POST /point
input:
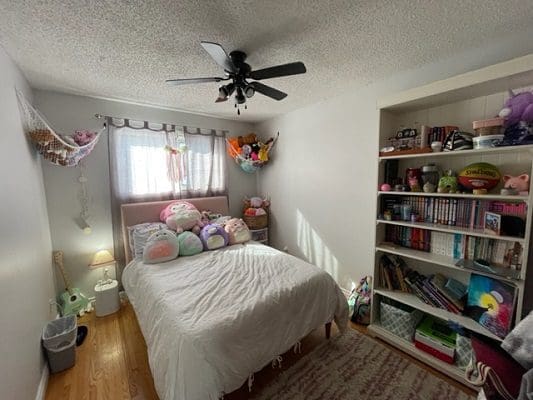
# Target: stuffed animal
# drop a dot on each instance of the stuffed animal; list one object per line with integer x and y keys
{"x": 213, "y": 237}
{"x": 237, "y": 231}
{"x": 519, "y": 184}
{"x": 190, "y": 244}
{"x": 518, "y": 107}
{"x": 182, "y": 216}
{"x": 263, "y": 152}
{"x": 161, "y": 246}
{"x": 246, "y": 150}
{"x": 248, "y": 139}
{"x": 84, "y": 137}
{"x": 448, "y": 183}
{"x": 256, "y": 202}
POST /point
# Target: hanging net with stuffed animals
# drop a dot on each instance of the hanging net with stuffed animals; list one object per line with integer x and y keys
{"x": 249, "y": 152}
{"x": 65, "y": 150}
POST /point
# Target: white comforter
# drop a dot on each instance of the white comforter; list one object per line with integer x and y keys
{"x": 213, "y": 319}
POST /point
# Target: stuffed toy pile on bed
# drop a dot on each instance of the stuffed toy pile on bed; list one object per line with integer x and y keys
{"x": 189, "y": 231}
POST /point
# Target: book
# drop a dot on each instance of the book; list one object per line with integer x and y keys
{"x": 491, "y": 303}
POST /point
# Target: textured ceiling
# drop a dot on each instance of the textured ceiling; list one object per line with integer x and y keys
{"x": 126, "y": 49}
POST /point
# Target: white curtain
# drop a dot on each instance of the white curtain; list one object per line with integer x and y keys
{"x": 144, "y": 166}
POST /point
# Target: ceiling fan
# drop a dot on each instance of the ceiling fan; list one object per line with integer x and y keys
{"x": 238, "y": 72}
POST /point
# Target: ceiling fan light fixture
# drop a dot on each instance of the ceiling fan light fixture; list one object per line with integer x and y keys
{"x": 239, "y": 97}
{"x": 249, "y": 91}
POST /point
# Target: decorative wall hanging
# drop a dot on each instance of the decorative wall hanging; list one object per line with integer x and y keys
{"x": 66, "y": 150}
{"x": 249, "y": 152}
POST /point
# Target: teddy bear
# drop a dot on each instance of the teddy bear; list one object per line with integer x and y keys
{"x": 516, "y": 184}
{"x": 237, "y": 231}
{"x": 182, "y": 216}
{"x": 517, "y": 108}
{"x": 249, "y": 139}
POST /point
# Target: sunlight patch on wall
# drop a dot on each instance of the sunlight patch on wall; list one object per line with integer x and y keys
{"x": 313, "y": 247}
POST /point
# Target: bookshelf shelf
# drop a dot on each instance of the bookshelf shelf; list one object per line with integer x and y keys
{"x": 458, "y": 196}
{"x": 415, "y": 302}
{"x": 491, "y": 151}
{"x": 451, "y": 229}
{"x": 437, "y": 259}
{"x": 457, "y": 101}
{"x": 409, "y": 348}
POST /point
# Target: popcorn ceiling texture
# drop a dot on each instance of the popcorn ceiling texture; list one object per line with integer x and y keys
{"x": 126, "y": 49}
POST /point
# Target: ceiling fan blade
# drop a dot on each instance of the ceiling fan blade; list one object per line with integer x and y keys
{"x": 221, "y": 99}
{"x": 177, "y": 82}
{"x": 220, "y": 56}
{"x": 278, "y": 71}
{"x": 268, "y": 91}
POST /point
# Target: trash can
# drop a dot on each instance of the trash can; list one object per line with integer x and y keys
{"x": 59, "y": 341}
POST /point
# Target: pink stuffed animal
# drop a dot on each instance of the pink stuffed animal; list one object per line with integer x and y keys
{"x": 84, "y": 137}
{"x": 518, "y": 183}
{"x": 182, "y": 216}
{"x": 237, "y": 231}
{"x": 518, "y": 107}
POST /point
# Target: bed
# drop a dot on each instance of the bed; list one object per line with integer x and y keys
{"x": 211, "y": 320}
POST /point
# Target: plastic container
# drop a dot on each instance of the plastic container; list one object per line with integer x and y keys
{"x": 59, "y": 341}
{"x": 486, "y": 142}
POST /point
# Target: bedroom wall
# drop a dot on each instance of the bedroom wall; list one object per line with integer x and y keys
{"x": 68, "y": 113}
{"x": 323, "y": 177}
{"x": 26, "y": 275}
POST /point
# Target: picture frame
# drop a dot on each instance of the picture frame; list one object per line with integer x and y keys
{"x": 492, "y": 223}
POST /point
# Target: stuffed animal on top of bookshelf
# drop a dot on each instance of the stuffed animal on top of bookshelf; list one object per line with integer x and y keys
{"x": 448, "y": 182}
{"x": 518, "y": 107}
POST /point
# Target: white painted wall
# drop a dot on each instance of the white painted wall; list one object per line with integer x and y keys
{"x": 323, "y": 177}
{"x": 26, "y": 277}
{"x": 67, "y": 113}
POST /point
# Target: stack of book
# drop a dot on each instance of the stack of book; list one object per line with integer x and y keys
{"x": 463, "y": 213}
{"x": 436, "y": 290}
{"x": 436, "y": 338}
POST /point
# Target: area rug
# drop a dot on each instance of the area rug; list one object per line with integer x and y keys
{"x": 353, "y": 366}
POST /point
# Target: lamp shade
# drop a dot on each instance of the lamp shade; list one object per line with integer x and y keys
{"x": 102, "y": 258}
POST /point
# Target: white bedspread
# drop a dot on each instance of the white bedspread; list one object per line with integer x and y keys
{"x": 211, "y": 320}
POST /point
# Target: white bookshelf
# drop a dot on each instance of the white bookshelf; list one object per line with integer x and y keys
{"x": 456, "y": 101}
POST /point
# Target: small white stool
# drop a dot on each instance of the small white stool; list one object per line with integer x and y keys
{"x": 107, "y": 299}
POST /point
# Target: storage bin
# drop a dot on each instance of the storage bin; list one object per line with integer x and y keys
{"x": 59, "y": 341}
{"x": 400, "y": 319}
{"x": 256, "y": 222}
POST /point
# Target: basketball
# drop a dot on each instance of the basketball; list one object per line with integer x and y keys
{"x": 479, "y": 176}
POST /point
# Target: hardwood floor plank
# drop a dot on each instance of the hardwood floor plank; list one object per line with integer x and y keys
{"x": 112, "y": 363}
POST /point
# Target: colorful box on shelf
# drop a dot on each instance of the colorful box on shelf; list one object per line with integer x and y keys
{"x": 436, "y": 338}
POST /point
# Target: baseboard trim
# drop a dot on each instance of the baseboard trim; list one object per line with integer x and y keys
{"x": 43, "y": 383}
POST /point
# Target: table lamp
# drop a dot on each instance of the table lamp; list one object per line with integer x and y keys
{"x": 101, "y": 259}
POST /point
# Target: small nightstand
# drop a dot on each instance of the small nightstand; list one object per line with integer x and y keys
{"x": 260, "y": 235}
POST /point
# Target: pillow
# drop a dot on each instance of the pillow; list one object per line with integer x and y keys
{"x": 190, "y": 244}
{"x": 237, "y": 231}
{"x": 182, "y": 216}
{"x": 138, "y": 236}
{"x": 161, "y": 246}
{"x": 213, "y": 237}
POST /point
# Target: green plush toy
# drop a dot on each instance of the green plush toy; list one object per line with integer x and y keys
{"x": 190, "y": 244}
{"x": 448, "y": 183}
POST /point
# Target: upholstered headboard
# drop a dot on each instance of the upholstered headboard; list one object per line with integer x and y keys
{"x": 137, "y": 213}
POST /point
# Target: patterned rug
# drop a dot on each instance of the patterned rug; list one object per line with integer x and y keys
{"x": 356, "y": 367}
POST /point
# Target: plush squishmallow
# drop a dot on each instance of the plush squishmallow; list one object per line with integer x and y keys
{"x": 190, "y": 244}
{"x": 182, "y": 216}
{"x": 237, "y": 230}
{"x": 161, "y": 246}
{"x": 213, "y": 237}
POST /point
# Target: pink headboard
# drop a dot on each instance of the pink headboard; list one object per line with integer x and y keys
{"x": 137, "y": 213}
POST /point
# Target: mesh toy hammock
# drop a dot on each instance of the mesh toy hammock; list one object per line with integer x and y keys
{"x": 52, "y": 146}
{"x": 247, "y": 164}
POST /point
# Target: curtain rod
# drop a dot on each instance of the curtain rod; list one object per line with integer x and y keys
{"x": 164, "y": 125}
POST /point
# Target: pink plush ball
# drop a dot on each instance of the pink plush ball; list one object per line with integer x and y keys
{"x": 385, "y": 187}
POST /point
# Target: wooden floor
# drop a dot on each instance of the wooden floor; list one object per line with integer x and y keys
{"x": 112, "y": 363}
